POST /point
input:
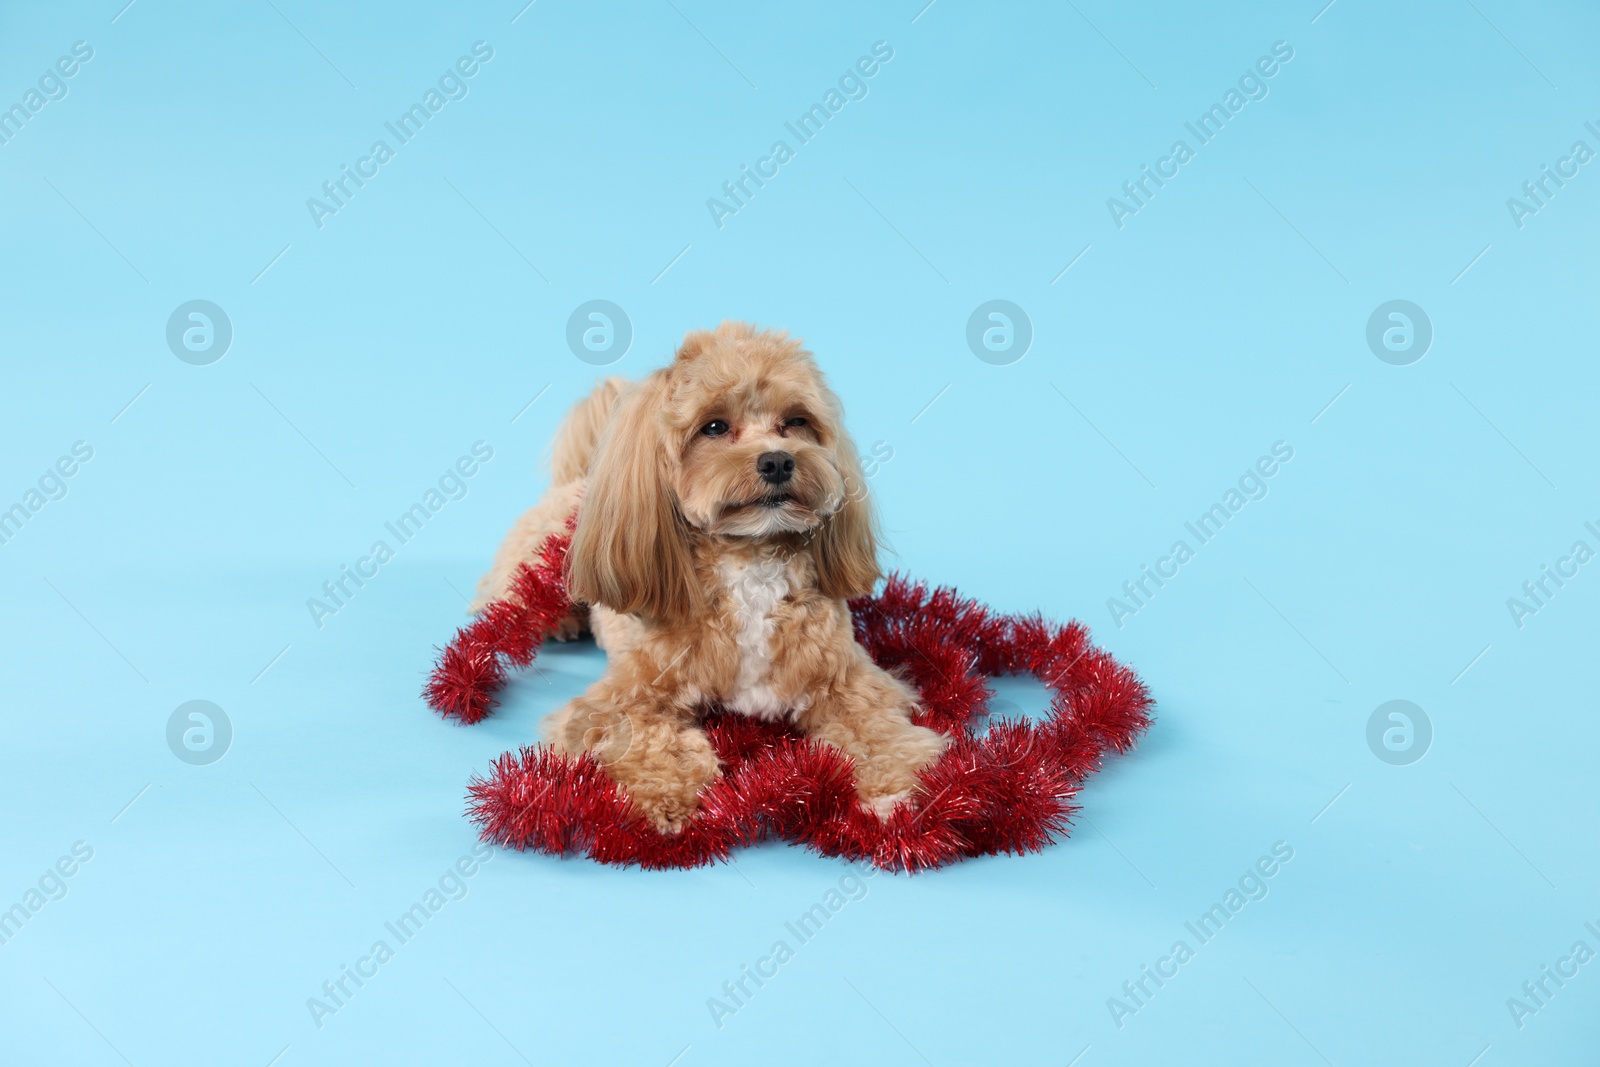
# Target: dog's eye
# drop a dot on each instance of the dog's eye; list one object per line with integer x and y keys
{"x": 715, "y": 428}
{"x": 794, "y": 422}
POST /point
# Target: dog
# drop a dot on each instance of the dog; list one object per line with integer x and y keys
{"x": 723, "y": 522}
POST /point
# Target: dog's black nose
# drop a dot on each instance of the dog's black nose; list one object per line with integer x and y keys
{"x": 775, "y": 468}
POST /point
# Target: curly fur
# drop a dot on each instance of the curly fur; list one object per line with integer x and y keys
{"x": 709, "y": 587}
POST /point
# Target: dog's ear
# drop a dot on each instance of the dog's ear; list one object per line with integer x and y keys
{"x": 630, "y": 551}
{"x": 846, "y": 546}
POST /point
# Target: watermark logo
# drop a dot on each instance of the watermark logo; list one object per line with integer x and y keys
{"x": 599, "y": 332}
{"x": 52, "y": 86}
{"x": 1399, "y": 733}
{"x": 1538, "y": 192}
{"x": 199, "y": 732}
{"x": 1206, "y": 127}
{"x": 51, "y": 886}
{"x": 740, "y": 190}
{"x": 199, "y": 332}
{"x": 1399, "y": 332}
{"x": 999, "y": 332}
{"x": 1252, "y": 485}
{"x": 609, "y": 736}
{"x": 997, "y": 709}
{"x": 52, "y": 485}
{"x": 1538, "y": 592}
{"x": 1252, "y": 886}
{"x": 451, "y": 886}
{"x": 337, "y": 592}
{"x": 338, "y": 192}
{"x": 1538, "y": 992}
{"x": 737, "y": 992}
{"x": 1008, "y": 733}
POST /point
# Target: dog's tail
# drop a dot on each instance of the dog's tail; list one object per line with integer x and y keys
{"x": 570, "y": 454}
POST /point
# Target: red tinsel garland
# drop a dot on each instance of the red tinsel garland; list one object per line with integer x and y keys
{"x": 1008, "y": 790}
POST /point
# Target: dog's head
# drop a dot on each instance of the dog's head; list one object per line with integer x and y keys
{"x": 739, "y": 437}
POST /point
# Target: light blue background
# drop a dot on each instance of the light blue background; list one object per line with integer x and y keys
{"x": 1225, "y": 316}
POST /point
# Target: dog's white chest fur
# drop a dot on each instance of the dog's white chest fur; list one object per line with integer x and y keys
{"x": 755, "y": 589}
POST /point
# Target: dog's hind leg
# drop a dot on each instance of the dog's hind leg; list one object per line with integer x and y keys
{"x": 523, "y": 544}
{"x": 571, "y": 451}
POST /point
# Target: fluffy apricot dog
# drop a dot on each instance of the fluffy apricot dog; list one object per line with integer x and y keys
{"x": 722, "y": 523}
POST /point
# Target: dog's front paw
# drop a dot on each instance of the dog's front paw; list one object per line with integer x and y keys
{"x": 667, "y": 814}
{"x": 663, "y": 769}
{"x": 888, "y": 775}
{"x": 883, "y": 805}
